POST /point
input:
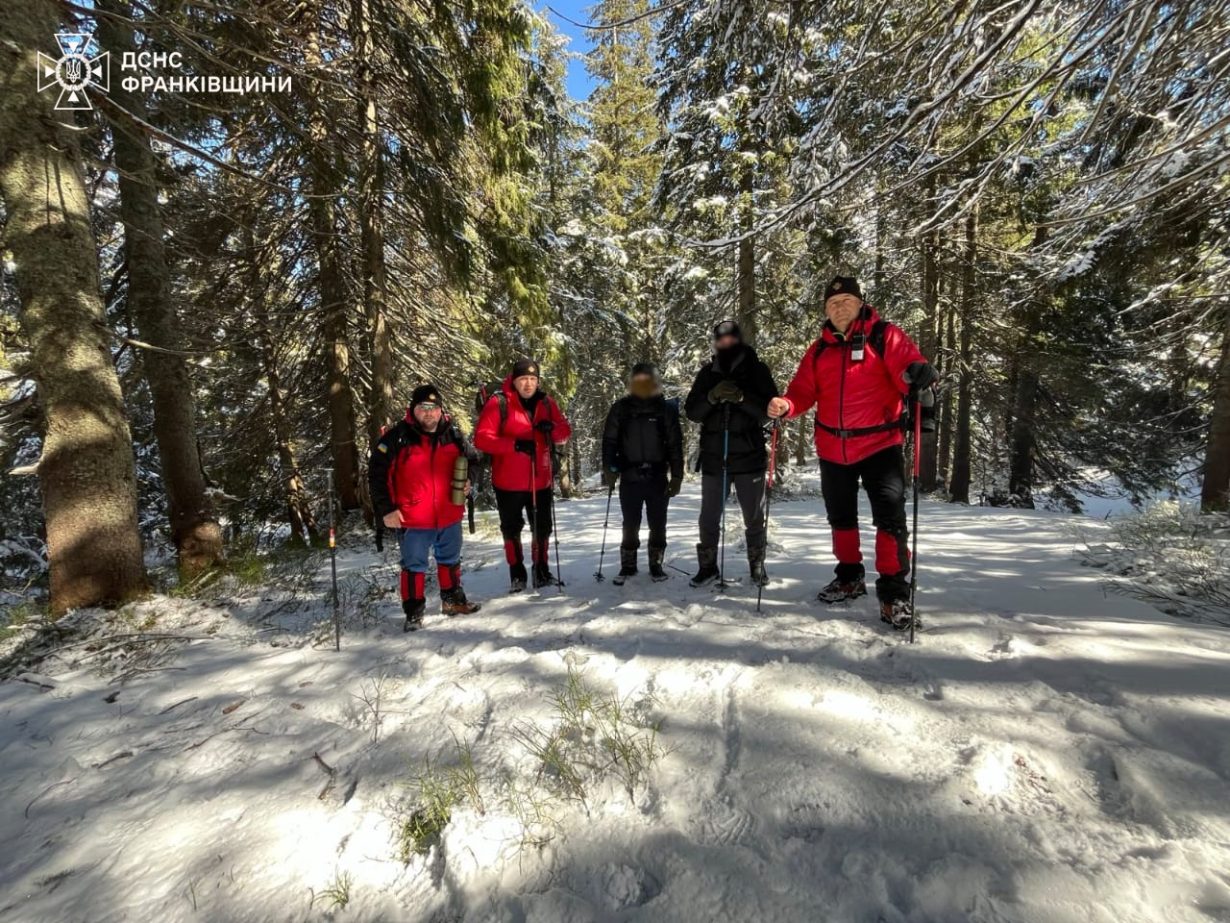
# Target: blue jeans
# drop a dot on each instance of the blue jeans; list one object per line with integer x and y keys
{"x": 416, "y": 543}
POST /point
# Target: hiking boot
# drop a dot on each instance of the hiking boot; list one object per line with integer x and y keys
{"x": 543, "y": 576}
{"x": 627, "y": 565}
{"x": 898, "y": 613}
{"x": 839, "y": 590}
{"x": 707, "y": 572}
{"x": 517, "y": 578}
{"x": 656, "y": 571}
{"x": 414, "y": 609}
{"x": 454, "y": 602}
{"x": 755, "y": 563}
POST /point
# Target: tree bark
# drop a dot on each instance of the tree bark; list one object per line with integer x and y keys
{"x": 86, "y": 469}
{"x": 1215, "y": 491}
{"x": 194, "y": 524}
{"x": 323, "y": 175}
{"x": 747, "y": 260}
{"x": 1021, "y": 435}
{"x": 958, "y": 489}
{"x": 928, "y": 474}
{"x": 371, "y": 229}
{"x": 945, "y": 401}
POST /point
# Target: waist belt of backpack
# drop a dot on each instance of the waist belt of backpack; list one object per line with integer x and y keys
{"x": 899, "y": 423}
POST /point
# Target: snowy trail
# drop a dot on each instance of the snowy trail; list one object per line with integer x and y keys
{"x": 1046, "y": 752}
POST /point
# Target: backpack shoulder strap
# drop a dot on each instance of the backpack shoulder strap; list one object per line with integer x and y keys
{"x": 817, "y": 349}
{"x": 876, "y": 336}
{"x": 502, "y": 400}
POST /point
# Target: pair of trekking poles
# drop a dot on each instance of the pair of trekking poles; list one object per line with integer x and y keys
{"x": 770, "y": 475}
{"x": 559, "y": 581}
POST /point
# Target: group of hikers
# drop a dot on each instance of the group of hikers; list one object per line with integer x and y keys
{"x": 861, "y": 374}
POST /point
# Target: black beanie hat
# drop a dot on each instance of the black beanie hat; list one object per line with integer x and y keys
{"x": 525, "y": 367}
{"x": 425, "y": 394}
{"x": 727, "y": 328}
{"x": 843, "y": 285}
{"x": 644, "y": 368}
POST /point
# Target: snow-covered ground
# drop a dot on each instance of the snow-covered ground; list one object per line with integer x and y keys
{"x": 1046, "y": 752}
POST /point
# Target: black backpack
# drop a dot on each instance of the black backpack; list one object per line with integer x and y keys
{"x": 486, "y": 392}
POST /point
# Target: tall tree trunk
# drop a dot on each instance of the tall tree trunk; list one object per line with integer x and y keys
{"x": 928, "y": 474}
{"x": 194, "y": 524}
{"x": 86, "y": 470}
{"x": 958, "y": 489}
{"x": 1215, "y": 491}
{"x": 574, "y": 461}
{"x": 945, "y": 407}
{"x": 371, "y": 229}
{"x": 800, "y": 442}
{"x": 1021, "y": 439}
{"x": 324, "y": 175}
{"x": 747, "y": 259}
{"x": 1021, "y": 436}
{"x": 877, "y": 277}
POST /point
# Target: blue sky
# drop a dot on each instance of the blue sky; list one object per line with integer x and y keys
{"x": 579, "y": 83}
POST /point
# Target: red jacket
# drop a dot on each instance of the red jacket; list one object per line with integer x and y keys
{"x": 510, "y": 469}
{"x": 852, "y": 395}
{"x": 412, "y": 471}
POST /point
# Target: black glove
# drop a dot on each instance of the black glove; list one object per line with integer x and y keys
{"x": 673, "y": 488}
{"x": 926, "y": 403}
{"x": 726, "y": 391}
{"x": 610, "y": 478}
{"x": 524, "y": 445}
{"x": 920, "y": 376}
{"x": 546, "y": 427}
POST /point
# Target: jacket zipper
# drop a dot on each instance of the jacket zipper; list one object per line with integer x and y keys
{"x": 841, "y": 405}
{"x": 431, "y": 468}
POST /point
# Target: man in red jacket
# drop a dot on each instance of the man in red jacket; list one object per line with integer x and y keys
{"x": 517, "y": 428}
{"x": 857, "y": 375}
{"x": 411, "y": 474}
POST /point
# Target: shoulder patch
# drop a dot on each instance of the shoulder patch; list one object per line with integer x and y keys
{"x": 383, "y": 448}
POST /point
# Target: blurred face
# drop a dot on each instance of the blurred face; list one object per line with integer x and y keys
{"x": 643, "y": 386}
{"x": 526, "y": 385}
{"x": 725, "y": 342}
{"x": 428, "y": 416}
{"x": 842, "y": 309}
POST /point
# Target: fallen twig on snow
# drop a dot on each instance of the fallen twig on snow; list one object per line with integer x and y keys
{"x": 119, "y": 756}
{"x": 329, "y": 771}
{"x": 192, "y": 698}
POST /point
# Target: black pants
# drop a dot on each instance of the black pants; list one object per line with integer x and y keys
{"x": 883, "y": 477}
{"x": 514, "y": 509}
{"x": 749, "y": 488}
{"x": 648, "y": 494}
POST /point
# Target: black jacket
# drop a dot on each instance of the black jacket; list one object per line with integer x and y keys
{"x": 643, "y": 438}
{"x": 747, "y": 419}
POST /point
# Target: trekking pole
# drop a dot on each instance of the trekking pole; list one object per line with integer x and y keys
{"x": 722, "y": 585}
{"x": 605, "y": 523}
{"x": 768, "y": 487}
{"x": 337, "y": 615}
{"x": 914, "y": 528}
{"x": 559, "y": 577}
{"x": 533, "y": 505}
